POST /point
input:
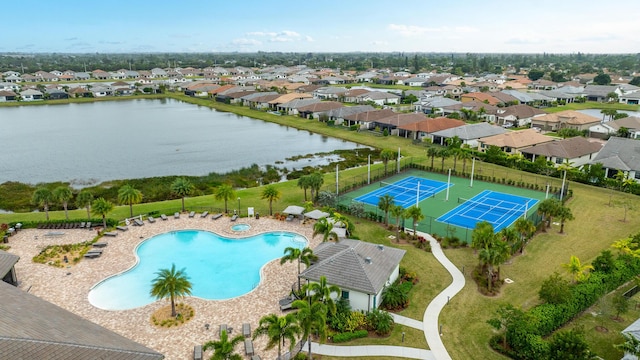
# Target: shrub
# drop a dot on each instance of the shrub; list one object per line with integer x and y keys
{"x": 347, "y": 336}
{"x": 380, "y": 321}
{"x": 395, "y": 296}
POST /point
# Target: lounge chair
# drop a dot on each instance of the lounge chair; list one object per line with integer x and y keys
{"x": 246, "y": 330}
{"x": 216, "y": 216}
{"x": 290, "y": 217}
{"x": 176, "y": 215}
{"x": 138, "y": 222}
{"x": 192, "y": 214}
{"x": 122, "y": 228}
{"x": 88, "y": 225}
{"x": 286, "y": 303}
{"x": 163, "y": 217}
{"x": 234, "y": 217}
{"x": 197, "y": 352}
{"x": 204, "y": 214}
{"x": 248, "y": 347}
{"x": 95, "y": 251}
{"x": 92, "y": 255}
{"x": 151, "y": 219}
{"x": 100, "y": 244}
{"x": 111, "y": 233}
{"x": 81, "y": 225}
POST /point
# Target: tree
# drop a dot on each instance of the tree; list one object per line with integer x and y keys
{"x": 270, "y": 193}
{"x": 415, "y": 214}
{"x": 620, "y": 304}
{"x": 304, "y": 256}
{"x": 453, "y": 147}
{"x": 602, "y": 79}
{"x": 312, "y": 318}
{"x": 579, "y": 272}
{"x": 399, "y": 213}
{"x": 83, "y": 200}
{"x": 304, "y": 183}
{"x": 183, "y": 188}
{"x": 224, "y": 349}
{"x": 443, "y": 154}
{"x": 385, "y": 156}
{"x": 563, "y": 213}
{"x": 482, "y": 236}
{"x": 526, "y": 229}
{"x": 507, "y": 315}
{"x": 623, "y": 132}
{"x": 321, "y": 291}
{"x": 278, "y": 329}
{"x": 225, "y": 192}
{"x": 569, "y": 345}
{"x": 432, "y": 152}
{"x": 547, "y": 209}
{"x": 395, "y": 297}
{"x": 631, "y": 344}
{"x": 464, "y": 156}
{"x": 535, "y": 74}
{"x": 385, "y": 202}
{"x": 128, "y": 195}
{"x": 172, "y": 284}
{"x": 555, "y": 290}
{"x": 102, "y": 207}
{"x": 316, "y": 180}
{"x": 63, "y": 194}
{"x": 324, "y": 227}
{"x": 635, "y": 81}
{"x": 608, "y": 112}
{"x": 43, "y": 197}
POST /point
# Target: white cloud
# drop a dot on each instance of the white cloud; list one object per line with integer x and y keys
{"x": 379, "y": 43}
{"x": 261, "y": 33}
{"x": 290, "y": 33}
{"x": 414, "y": 30}
{"x": 309, "y": 38}
{"x": 246, "y": 42}
{"x": 280, "y": 39}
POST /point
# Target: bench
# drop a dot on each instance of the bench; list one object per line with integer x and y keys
{"x": 248, "y": 347}
{"x": 100, "y": 244}
{"x": 204, "y": 214}
{"x": 216, "y": 216}
{"x": 122, "y": 228}
{"x": 111, "y": 233}
{"x": 197, "y": 352}
{"x": 92, "y": 255}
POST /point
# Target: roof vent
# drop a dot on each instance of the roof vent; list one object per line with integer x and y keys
{"x": 367, "y": 260}
{"x": 380, "y": 247}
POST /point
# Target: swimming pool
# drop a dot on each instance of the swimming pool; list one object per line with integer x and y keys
{"x": 240, "y": 227}
{"x": 219, "y": 268}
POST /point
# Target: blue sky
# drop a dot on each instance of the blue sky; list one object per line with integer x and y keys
{"x": 502, "y": 26}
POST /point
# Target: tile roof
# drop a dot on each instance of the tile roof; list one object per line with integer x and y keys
{"x": 471, "y": 131}
{"x": 321, "y": 106}
{"x": 284, "y": 98}
{"x": 369, "y": 116}
{"x": 620, "y": 153}
{"x": 520, "y": 111}
{"x": 344, "y": 264}
{"x": 517, "y": 139}
{"x": 430, "y": 125}
{"x": 402, "y": 119}
{"x": 630, "y": 122}
{"x": 32, "y": 328}
{"x": 481, "y": 97}
{"x": 571, "y": 117}
{"x": 7, "y": 261}
{"x": 349, "y": 110}
{"x": 569, "y": 148}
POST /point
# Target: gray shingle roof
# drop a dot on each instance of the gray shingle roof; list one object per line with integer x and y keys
{"x": 349, "y": 110}
{"x": 567, "y": 148}
{"x": 32, "y": 328}
{"x": 471, "y": 131}
{"x": 620, "y": 154}
{"x": 7, "y": 261}
{"x": 344, "y": 264}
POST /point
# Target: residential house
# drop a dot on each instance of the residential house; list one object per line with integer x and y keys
{"x": 351, "y": 96}
{"x": 630, "y": 98}
{"x": 33, "y": 328}
{"x": 434, "y": 105}
{"x": 247, "y": 100}
{"x": 392, "y": 123}
{"x": 517, "y": 115}
{"x": 157, "y": 72}
{"x": 262, "y": 102}
{"x": 329, "y": 93}
{"x": 529, "y": 98}
{"x": 560, "y": 95}
{"x": 236, "y": 97}
{"x": 380, "y": 98}
{"x": 424, "y": 128}
{"x": 577, "y": 151}
{"x": 7, "y": 95}
{"x": 606, "y": 129}
{"x": 31, "y": 95}
{"x": 469, "y": 134}
{"x": 367, "y": 119}
{"x": 483, "y": 111}
{"x": 284, "y": 98}
{"x": 56, "y": 94}
{"x": 13, "y": 79}
{"x": 291, "y": 107}
{"x": 99, "y": 74}
{"x": 600, "y": 92}
{"x": 29, "y": 78}
{"x": 201, "y": 89}
{"x": 505, "y": 98}
{"x": 338, "y": 115}
{"x": 79, "y": 91}
{"x": 8, "y": 86}
{"x": 620, "y": 154}
{"x": 568, "y": 119}
{"x": 317, "y": 109}
{"x": 82, "y": 76}
{"x": 101, "y": 91}
{"x": 46, "y": 76}
{"x": 511, "y": 142}
{"x": 360, "y": 269}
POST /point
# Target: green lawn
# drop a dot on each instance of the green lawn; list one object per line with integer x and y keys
{"x": 593, "y": 105}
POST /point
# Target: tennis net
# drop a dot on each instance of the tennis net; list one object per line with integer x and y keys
{"x": 424, "y": 192}
{"x": 517, "y": 208}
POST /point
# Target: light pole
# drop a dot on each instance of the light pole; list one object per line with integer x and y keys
{"x": 238, "y": 206}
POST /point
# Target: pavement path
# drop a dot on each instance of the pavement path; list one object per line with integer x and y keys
{"x": 430, "y": 324}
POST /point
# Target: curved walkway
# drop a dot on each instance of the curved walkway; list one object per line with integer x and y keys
{"x": 429, "y": 324}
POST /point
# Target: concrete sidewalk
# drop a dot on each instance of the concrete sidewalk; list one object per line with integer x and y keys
{"x": 399, "y": 319}
{"x": 370, "y": 350}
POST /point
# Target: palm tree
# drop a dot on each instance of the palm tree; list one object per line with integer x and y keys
{"x": 399, "y": 212}
{"x": 563, "y": 213}
{"x": 183, "y": 188}
{"x": 464, "y": 156}
{"x": 482, "y": 236}
{"x": 574, "y": 267}
{"x": 304, "y": 256}
{"x": 321, "y": 291}
{"x": 83, "y": 200}
{"x": 415, "y": 214}
{"x": 43, "y": 197}
{"x": 270, "y": 193}
{"x": 432, "y": 153}
{"x": 443, "y": 153}
{"x": 102, "y": 207}
{"x": 171, "y": 283}
{"x": 526, "y": 229}
{"x": 316, "y": 180}
{"x": 343, "y": 221}
{"x": 453, "y": 146}
{"x": 303, "y": 183}
{"x": 278, "y": 329}
{"x": 312, "y": 317}
{"x": 385, "y": 156}
{"x": 385, "y": 202}
{"x": 225, "y": 192}
{"x": 63, "y": 194}
{"x": 224, "y": 349}
{"x": 631, "y": 345}
{"x": 547, "y": 209}
{"x": 129, "y": 195}
{"x": 324, "y": 227}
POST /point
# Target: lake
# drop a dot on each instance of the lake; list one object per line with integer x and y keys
{"x": 94, "y": 142}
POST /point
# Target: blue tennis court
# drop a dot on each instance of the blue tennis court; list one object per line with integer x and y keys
{"x": 498, "y": 209}
{"x": 405, "y": 191}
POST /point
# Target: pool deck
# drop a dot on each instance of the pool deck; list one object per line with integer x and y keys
{"x": 69, "y": 287}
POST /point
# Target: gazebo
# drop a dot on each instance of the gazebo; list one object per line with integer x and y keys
{"x": 294, "y": 210}
{"x": 316, "y": 214}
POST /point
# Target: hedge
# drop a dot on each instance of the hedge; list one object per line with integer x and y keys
{"x": 348, "y": 336}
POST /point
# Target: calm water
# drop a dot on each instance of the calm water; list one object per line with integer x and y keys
{"x": 218, "y": 268}
{"x": 88, "y": 143}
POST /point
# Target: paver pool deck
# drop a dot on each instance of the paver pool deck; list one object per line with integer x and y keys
{"x": 69, "y": 287}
